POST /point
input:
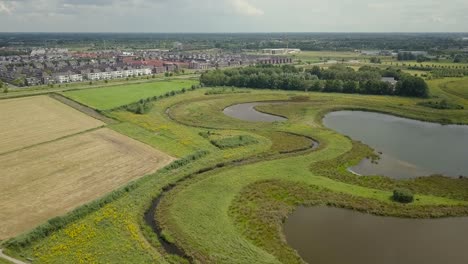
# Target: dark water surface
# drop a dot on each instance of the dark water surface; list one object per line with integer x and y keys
{"x": 247, "y": 112}
{"x": 410, "y": 148}
{"x": 326, "y": 235}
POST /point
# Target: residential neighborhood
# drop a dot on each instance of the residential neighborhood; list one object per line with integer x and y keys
{"x": 58, "y": 65}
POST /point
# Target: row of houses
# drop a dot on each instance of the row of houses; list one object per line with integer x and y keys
{"x": 91, "y": 75}
{"x": 275, "y": 60}
{"x": 118, "y": 73}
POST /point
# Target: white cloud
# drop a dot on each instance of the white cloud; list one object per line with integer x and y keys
{"x": 5, "y": 7}
{"x": 243, "y": 7}
{"x": 231, "y": 15}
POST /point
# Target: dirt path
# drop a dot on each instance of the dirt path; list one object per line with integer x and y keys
{"x": 12, "y": 260}
{"x": 82, "y": 108}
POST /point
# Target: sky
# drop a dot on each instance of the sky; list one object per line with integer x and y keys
{"x": 233, "y": 16}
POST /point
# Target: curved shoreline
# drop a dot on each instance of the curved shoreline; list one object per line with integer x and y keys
{"x": 393, "y": 134}
{"x": 223, "y": 165}
{"x": 254, "y": 107}
{"x": 150, "y": 215}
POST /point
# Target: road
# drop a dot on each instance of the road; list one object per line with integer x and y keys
{"x": 12, "y": 260}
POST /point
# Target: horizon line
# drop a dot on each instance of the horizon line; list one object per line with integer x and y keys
{"x": 239, "y": 32}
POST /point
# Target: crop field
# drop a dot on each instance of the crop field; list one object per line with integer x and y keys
{"x": 114, "y": 96}
{"x": 228, "y": 205}
{"x": 457, "y": 88}
{"x": 51, "y": 179}
{"x": 320, "y": 56}
{"x": 32, "y": 120}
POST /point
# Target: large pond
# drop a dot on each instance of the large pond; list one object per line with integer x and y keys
{"x": 247, "y": 112}
{"x": 409, "y": 148}
{"x": 329, "y": 235}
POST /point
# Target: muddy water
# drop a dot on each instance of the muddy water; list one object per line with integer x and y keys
{"x": 327, "y": 235}
{"x": 410, "y": 148}
{"x": 247, "y": 112}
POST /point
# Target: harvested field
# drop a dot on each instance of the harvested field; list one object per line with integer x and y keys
{"x": 51, "y": 179}
{"x": 28, "y": 121}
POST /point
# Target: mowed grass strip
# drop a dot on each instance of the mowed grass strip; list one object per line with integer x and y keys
{"x": 115, "y": 96}
{"x": 458, "y": 88}
{"x": 28, "y": 121}
{"x": 51, "y": 179}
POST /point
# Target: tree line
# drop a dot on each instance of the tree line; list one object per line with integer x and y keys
{"x": 337, "y": 78}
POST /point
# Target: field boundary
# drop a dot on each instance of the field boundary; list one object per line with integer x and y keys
{"x": 96, "y": 114}
{"x": 45, "y": 91}
{"x": 53, "y": 140}
{"x": 60, "y": 222}
{"x": 10, "y": 259}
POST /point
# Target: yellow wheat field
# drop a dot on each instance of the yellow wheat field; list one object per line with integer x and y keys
{"x": 51, "y": 179}
{"x": 32, "y": 120}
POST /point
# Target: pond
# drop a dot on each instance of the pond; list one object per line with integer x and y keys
{"x": 247, "y": 112}
{"x": 328, "y": 235}
{"x": 410, "y": 148}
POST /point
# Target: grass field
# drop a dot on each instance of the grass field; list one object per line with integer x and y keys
{"x": 233, "y": 214}
{"x": 4, "y": 261}
{"x": 111, "y": 97}
{"x": 33, "y": 120}
{"x": 51, "y": 179}
{"x": 457, "y": 88}
{"x": 45, "y": 89}
{"x": 198, "y": 210}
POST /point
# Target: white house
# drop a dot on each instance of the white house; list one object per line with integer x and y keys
{"x": 127, "y": 73}
{"x": 117, "y": 74}
{"x": 106, "y": 75}
{"x": 147, "y": 71}
{"x": 93, "y": 76}
{"x": 75, "y": 77}
{"x": 138, "y": 72}
{"x": 61, "y": 78}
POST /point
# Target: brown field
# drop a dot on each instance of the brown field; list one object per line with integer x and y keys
{"x": 50, "y": 179}
{"x": 32, "y": 120}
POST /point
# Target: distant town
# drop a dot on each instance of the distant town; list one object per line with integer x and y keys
{"x": 48, "y": 66}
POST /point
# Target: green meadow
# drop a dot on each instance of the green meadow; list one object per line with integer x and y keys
{"x": 114, "y": 96}
{"x": 228, "y": 205}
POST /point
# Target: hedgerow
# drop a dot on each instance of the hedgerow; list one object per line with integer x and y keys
{"x": 60, "y": 222}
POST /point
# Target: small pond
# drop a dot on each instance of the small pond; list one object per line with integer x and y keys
{"x": 247, "y": 112}
{"x": 409, "y": 148}
{"x": 328, "y": 235}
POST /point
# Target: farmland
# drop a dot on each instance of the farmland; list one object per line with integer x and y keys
{"x": 33, "y": 120}
{"x": 457, "y": 88}
{"x": 114, "y": 96}
{"x": 55, "y": 158}
{"x": 232, "y": 213}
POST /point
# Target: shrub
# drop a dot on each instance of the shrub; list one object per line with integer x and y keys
{"x": 403, "y": 195}
{"x": 234, "y": 142}
{"x": 60, "y": 222}
{"x": 442, "y": 105}
{"x": 186, "y": 160}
